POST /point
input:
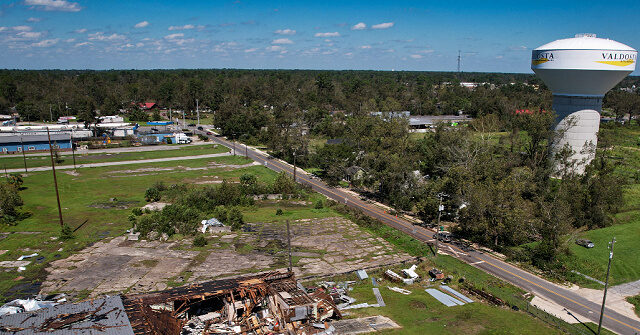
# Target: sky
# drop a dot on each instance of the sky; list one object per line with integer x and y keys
{"x": 492, "y": 36}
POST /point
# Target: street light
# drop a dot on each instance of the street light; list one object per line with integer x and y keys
{"x": 440, "y": 209}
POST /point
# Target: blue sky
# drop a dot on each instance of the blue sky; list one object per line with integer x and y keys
{"x": 494, "y": 36}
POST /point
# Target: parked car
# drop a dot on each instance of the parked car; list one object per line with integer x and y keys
{"x": 154, "y": 129}
{"x": 209, "y": 133}
{"x": 200, "y": 128}
{"x": 443, "y": 236}
{"x": 585, "y": 243}
{"x": 191, "y": 125}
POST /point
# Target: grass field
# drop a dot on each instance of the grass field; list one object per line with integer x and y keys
{"x": 626, "y": 228}
{"x": 419, "y": 313}
{"x": 635, "y": 301}
{"x": 16, "y": 161}
{"x": 93, "y": 186}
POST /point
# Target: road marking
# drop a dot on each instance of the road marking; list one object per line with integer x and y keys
{"x": 475, "y": 263}
{"x": 403, "y": 224}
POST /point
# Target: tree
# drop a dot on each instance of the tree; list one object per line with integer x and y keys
{"x": 28, "y": 111}
{"x": 235, "y": 219}
{"x": 10, "y": 201}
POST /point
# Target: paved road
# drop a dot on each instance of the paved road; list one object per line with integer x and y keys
{"x": 516, "y": 276}
{"x": 139, "y": 161}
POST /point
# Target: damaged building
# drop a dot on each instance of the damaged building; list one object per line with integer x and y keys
{"x": 268, "y": 303}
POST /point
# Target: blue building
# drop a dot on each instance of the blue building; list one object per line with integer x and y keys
{"x": 16, "y": 143}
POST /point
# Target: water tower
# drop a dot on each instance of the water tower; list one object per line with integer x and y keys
{"x": 579, "y": 71}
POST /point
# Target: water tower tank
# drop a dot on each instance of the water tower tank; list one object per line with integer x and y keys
{"x": 579, "y": 71}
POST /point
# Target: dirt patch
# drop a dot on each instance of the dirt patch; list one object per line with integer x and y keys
{"x": 320, "y": 247}
{"x": 417, "y": 304}
{"x": 114, "y": 204}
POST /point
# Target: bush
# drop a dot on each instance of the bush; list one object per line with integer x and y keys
{"x": 66, "y": 233}
{"x": 279, "y": 211}
{"x": 200, "y": 241}
{"x": 137, "y": 211}
{"x": 152, "y": 194}
{"x": 235, "y": 219}
{"x": 319, "y": 204}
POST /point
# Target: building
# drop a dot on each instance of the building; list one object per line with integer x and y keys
{"x": 15, "y": 144}
{"x": 111, "y": 119}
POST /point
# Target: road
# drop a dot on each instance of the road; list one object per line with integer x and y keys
{"x": 529, "y": 282}
{"x": 139, "y": 161}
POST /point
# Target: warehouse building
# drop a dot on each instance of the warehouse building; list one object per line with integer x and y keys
{"x": 15, "y": 144}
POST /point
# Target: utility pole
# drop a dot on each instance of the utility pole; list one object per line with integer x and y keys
{"x": 73, "y": 153}
{"x": 198, "y": 112}
{"x": 294, "y": 166}
{"x": 246, "y": 151}
{"x": 184, "y": 121}
{"x": 459, "y": 59}
{"x": 289, "y": 243}
{"x": 50, "y": 114}
{"x": 55, "y": 180}
{"x": 606, "y": 283}
{"x": 438, "y": 226}
{"x": 24, "y": 157}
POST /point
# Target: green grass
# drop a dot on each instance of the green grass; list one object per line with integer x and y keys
{"x": 91, "y": 186}
{"x": 635, "y": 301}
{"x": 419, "y": 313}
{"x": 14, "y": 162}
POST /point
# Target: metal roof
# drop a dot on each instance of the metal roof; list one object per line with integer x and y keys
{"x": 100, "y": 316}
{"x": 585, "y": 43}
{"x": 35, "y": 138}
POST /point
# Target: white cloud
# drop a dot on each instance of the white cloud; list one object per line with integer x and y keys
{"x": 333, "y": 34}
{"x": 21, "y": 28}
{"x": 53, "y": 5}
{"x": 365, "y": 47}
{"x": 70, "y": 40}
{"x": 275, "y": 48}
{"x": 174, "y": 36}
{"x": 282, "y": 41}
{"x": 80, "y": 31}
{"x": 416, "y": 56}
{"x": 3, "y": 28}
{"x": 349, "y": 54}
{"x": 99, "y": 36}
{"x": 427, "y": 51}
{"x": 518, "y": 48}
{"x": 185, "y": 27}
{"x": 34, "y": 19}
{"x": 359, "y": 26}
{"x": 285, "y": 32}
{"x": 385, "y": 25}
{"x": 28, "y": 35}
{"x": 45, "y": 43}
{"x": 141, "y": 24}
{"x": 139, "y": 44}
{"x": 83, "y": 44}
{"x": 250, "y": 50}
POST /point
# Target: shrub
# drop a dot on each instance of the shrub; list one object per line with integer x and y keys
{"x": 66, "y": 233}
{"x": 200, "y": 241}
{"x": 319, "y": 204}
{"x": 235, "y": 219}
{"x": 279, "y": 211}
{"x": 137, "y": 211}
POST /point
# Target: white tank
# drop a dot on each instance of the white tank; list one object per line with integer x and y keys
{"x": 579, "y": 71}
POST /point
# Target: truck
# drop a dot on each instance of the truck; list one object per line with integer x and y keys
{"x": 182, "y": 138}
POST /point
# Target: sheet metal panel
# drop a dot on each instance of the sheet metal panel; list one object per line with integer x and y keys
{"x": 456, "y": 293}
{"x": 446, "y": 299}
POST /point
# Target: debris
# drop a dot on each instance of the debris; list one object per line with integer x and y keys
{"x": 411, "y": 272}
{"x": 21, "y": 268}
{"x": 367, "y": 325}
{"x": 444, "y": 298}
{"x": 103, "y": 315}
{"x": 24, "y": 305}
{"x": 133, "y": 236}
{"x": 373, "y": 282}
{"x": 362, "y": 274}
{"x": 27, "y": 256}
{"x": 376, "y": 292}
{"x": 456, "y": 293}
{"x": 397, "y": 278}
{"x": 211, "y": 223}
{"x": 436, "y": 274}
{"x": 399, "y": 290}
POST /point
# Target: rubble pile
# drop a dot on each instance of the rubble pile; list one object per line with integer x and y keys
{"x": 271, "y": 303}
